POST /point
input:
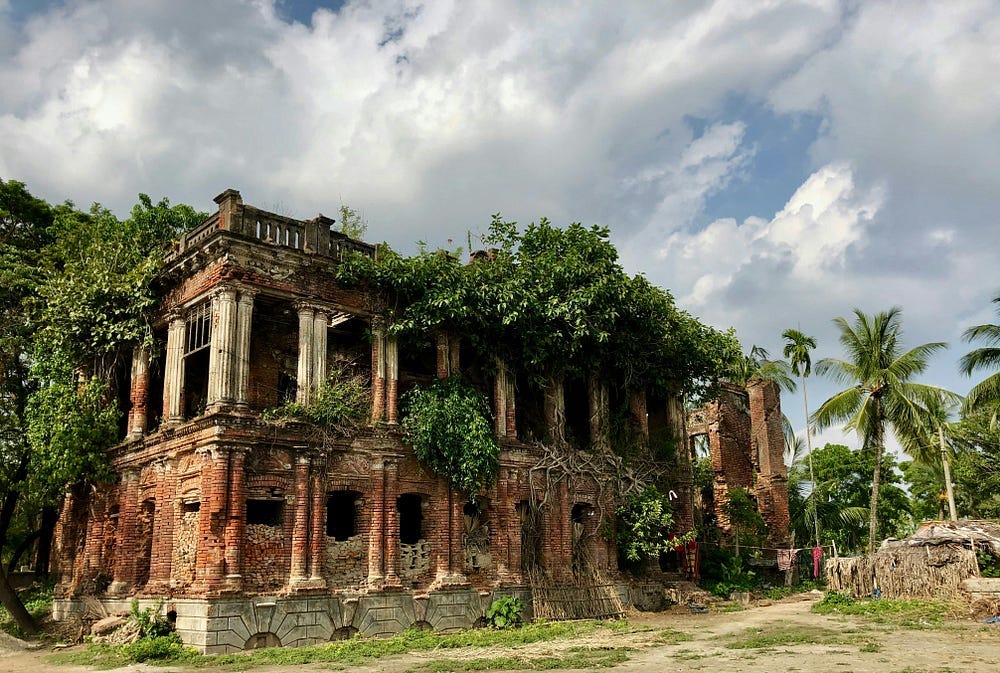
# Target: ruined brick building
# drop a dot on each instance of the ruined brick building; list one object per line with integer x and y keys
{"x": 256, "y": 534}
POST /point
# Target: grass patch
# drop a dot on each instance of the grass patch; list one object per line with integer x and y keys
{"x": 777, "y": 593}
{"x": 910, "y": 613}
{"x": 353, "y": 652}
{"x": 871, "y": 646}
{"x": 37, "y": 601}
{"x": 778, "y": 635}
{"x": 165, "y": 649}
{"x": 582, "y": 658}
{"x": 731, "y": 607}
{"x": 672, "y": 637}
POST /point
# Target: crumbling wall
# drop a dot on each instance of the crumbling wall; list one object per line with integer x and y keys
{"x": 746, "y": 445}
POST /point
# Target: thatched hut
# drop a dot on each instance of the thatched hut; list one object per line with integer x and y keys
{"x": 941, "y": 560}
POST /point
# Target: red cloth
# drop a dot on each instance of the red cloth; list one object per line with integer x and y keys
{"x": 817, "y": 555}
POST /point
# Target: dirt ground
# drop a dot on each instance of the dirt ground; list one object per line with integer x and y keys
{"x": 678, "y": 640}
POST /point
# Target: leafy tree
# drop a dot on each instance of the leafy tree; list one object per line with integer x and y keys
{"x": 352, "y": 222}
{"x": 985, "y": 395}
{"x": 77, "y": 291}
{"x": 644, "y": 521}
{"x": 880, "y": 391}
{"x": 797, "y": 347}
{"x": 927, "y": 440}
{"x": 842, "y": 493}
{"x": 977, "y": 466}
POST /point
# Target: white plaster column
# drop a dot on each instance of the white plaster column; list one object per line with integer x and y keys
{"x": 320, "y": 321}
{"x": 307, "y": 316}
{"x": 378, "y": 370}
{"x": 244, "y": 322}
{"x": 173, "y": 376}
{"x": 223, "y": 348}
{"x": 392, "y": 379}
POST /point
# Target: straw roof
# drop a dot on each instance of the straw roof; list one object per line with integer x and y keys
{"x": 983, "y": 535}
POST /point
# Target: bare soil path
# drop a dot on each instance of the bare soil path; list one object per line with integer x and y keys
{"x": 774, "y": 638}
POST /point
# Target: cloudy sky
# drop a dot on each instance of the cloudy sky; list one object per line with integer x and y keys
{"x": 774, "y": 164}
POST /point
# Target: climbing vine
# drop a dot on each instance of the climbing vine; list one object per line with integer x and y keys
{"x": 448, "y": 424}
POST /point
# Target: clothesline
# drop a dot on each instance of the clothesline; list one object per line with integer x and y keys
{"x": 744, "y": 546}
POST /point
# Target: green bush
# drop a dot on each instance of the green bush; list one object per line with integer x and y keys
{"x": 160, "y": 647}
{"x": 449, "y": 425}
{"x": 505, "y": 613}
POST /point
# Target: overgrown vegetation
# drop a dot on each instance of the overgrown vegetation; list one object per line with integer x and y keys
{"x": 339, "y": 406}
{"x": 902, "y": 612}
{"x": 448, "y": 424}
{"x": 354, "y": 652}
{"x": 37, "y": 601}
{"x": 643, "y": 523}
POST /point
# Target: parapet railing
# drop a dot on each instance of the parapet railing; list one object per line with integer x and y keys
{"x": 311, "y": 236}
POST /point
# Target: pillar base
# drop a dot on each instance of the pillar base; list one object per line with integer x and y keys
{"x": 449, "y": 580}
{"x": 306, "y": 584}
{"x": 233, "y": 583}
{"x": 119, "y": 587}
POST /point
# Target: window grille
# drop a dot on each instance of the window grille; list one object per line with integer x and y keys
{"x": 198, "y": 323}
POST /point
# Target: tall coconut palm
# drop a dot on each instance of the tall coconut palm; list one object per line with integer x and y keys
{"x": 880, "y": 391}
{"x": 926, "y": 442}
{"x": 797, "y": 347}
{"x": 985, "y": 395}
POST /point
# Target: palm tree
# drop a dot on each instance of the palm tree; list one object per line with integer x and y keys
{"x": 985, "y": 395}
{"x": 881, "y": 392}
{"x": 927, "y": 438}
{"x": 760, "y": 365}
{"x": 797, "y": 347}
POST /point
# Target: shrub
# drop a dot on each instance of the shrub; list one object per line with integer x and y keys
{"x": 449, "y": 426}
{"x": 505, "y": 613}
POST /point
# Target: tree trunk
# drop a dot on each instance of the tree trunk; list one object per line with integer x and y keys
{"x": 15, "y": 607}
{"x": 809, "y": 452}
{"x": 876, "y": 478}
{"x": 947, "y": 476}
{"x": 21, "y": 548}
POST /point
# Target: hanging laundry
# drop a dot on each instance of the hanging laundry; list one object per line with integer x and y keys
{"x": 817, "y": 555}
{"x": 786, "y": 557}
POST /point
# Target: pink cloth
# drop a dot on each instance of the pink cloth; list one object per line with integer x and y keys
{"x": 817, "y": 555}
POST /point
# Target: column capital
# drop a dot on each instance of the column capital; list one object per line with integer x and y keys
{"x": 175, "y": 315}
{"x": 227, "y": 288}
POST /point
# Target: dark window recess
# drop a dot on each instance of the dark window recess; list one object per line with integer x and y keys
{"x": 191, "y": 507}
{"x": 264, "y": 512}
{"x": 342, "y": 515}
{"x": 411, "y": 518}
{"x": 287, "y": 388}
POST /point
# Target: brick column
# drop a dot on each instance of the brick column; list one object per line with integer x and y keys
{"x": 300, "y": 524}
{"x": 236, "y": 519}
{"x": 139, "y": 413}
{"x": 376, "y": 534}
{"x": 173, "y": 375}
{"x": 768, "y": 441}
{"x": 162, "y": 553}
{"x": 210, "y": 557}
{"x": 454, "y": 351}
{"x": 378, "y": 369}
{"x": 684, "y": 505}
{"x": 456, "y": 556}
{"x": 506, "y": 546}
{"x": 317, "y": 532}
{"x": 391, "y": 535}
{"x": 597, "y": 396}
{"x": 125, "y": 544}
{"x": 244, "y": 327}
{"x": 500, "y": 400}
{"x": 640, "y": 414}
{"x": 222, "y": 352}
{"x": 392, "y": 379}
{"x": 305, "y": 380}
{"x": 442, "y": 352}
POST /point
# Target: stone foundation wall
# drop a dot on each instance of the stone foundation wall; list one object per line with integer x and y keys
{"x": 222, "y": 626}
